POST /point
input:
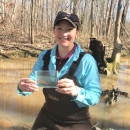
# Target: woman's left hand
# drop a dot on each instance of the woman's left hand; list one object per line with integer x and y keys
{"x": 67, "y": 86}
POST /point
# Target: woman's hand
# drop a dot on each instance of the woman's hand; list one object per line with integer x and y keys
{"x": 67, "y": 86}
{"x": 28, "y": 85}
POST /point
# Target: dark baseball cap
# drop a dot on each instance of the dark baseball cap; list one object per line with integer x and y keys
{"x": 72, "y": 18}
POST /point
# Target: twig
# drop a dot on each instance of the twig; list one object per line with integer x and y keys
{"x": 10, "y": 122}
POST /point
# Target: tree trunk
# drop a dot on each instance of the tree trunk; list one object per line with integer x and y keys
{"x": 117, "y": 42}
{"x": 75, "y": 2}
{"x": 36, "y": 15}
{"x": 13, "y": 10}
{"x": 52, "y": 13}
{"x": 31, "y": 22}
{"x": 109, "y": 19}
{"x": 83, "y": 14}
{"x": 107, "y": 15}
{"x": 47, "y": 18}
{"x": 22, "y": 17}
{"x": 123, "y": 20}
{"x": 42, "y": 16}
{"x": 3, "y": 9}
{"x": 92, "y": 19}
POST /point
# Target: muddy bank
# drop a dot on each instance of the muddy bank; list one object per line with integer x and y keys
{"x": 22, "y": 50}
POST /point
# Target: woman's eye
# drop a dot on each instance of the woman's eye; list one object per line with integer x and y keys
{"x": 59, "y": 28}
{"x": 70, "y": 29}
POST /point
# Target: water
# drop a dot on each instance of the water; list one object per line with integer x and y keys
{"x": 19, "y": 112}
{"x": 46, "y": 79}
{"x": 117, "y": 116}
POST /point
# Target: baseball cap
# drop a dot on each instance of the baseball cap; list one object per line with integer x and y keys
{"x": 72, "y": 18}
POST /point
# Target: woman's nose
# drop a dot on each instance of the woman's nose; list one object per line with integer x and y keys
{"x": 65, "y": 34}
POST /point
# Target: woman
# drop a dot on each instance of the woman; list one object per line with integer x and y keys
{"x": 71, "y": 109}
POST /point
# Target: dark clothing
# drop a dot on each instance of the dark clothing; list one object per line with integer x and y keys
{"x": 59, "y": 111}
{"x": 60, "y": 62}
{"x": 55, "y": 114}
{"x": 46, "y": 121}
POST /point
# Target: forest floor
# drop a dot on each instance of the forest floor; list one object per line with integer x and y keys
{"x": 14, "y": 45}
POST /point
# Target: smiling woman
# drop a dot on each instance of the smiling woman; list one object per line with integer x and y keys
{"x": 66, "y": 105}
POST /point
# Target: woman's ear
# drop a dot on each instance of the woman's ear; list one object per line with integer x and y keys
{"x": 53, "y": 30}
{"x": 77, "y": 32}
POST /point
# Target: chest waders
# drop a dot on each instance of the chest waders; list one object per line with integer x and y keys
{"x": 59, "y": 111}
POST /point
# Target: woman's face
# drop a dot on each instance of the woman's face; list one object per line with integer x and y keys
{"x": 65, "y": 34}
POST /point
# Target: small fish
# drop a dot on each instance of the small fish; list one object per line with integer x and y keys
{"x": 42, "y": 81}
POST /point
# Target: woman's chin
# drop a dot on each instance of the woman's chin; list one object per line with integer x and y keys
{"x": 64, "y": 44}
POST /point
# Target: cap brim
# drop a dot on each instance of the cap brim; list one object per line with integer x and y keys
{"x": 66, "y": 20}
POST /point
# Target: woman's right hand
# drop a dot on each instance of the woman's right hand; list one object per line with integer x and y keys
{"x": 28, "y": 85}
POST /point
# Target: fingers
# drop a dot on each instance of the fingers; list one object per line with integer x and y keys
{"x": 28, "y": 85}
{"x": 66, "y": 86}
{"x": 63, "y": 89}
{"x": 65, "y": 83}
{"x": 27, "y": 80}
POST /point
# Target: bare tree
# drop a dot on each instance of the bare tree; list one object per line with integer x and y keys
{"x": 109, "y": 20}
{"x": 2, "y": 3}
{"x": 99, "y": 17}
{"x": 22, "y": 17}
{"x": 32, "y": 21}
{"x": 106, "y": 15}
{"x": 83, "y": 13}
{"x": 123, "y": 20}
{"x": 116, "y": 54}
{"x": 92, "y": 19}
{"x": 95, "y": 15}
{"x": 75, "y": 2}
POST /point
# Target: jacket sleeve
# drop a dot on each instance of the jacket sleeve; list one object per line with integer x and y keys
{"x": 88, "y": 76}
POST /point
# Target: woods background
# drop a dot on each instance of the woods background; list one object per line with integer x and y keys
{"x": 31, "y": 21}
{"x": 26, "y": 29}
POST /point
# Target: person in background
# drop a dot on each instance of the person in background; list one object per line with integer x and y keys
{"x": 66, "y": 107}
